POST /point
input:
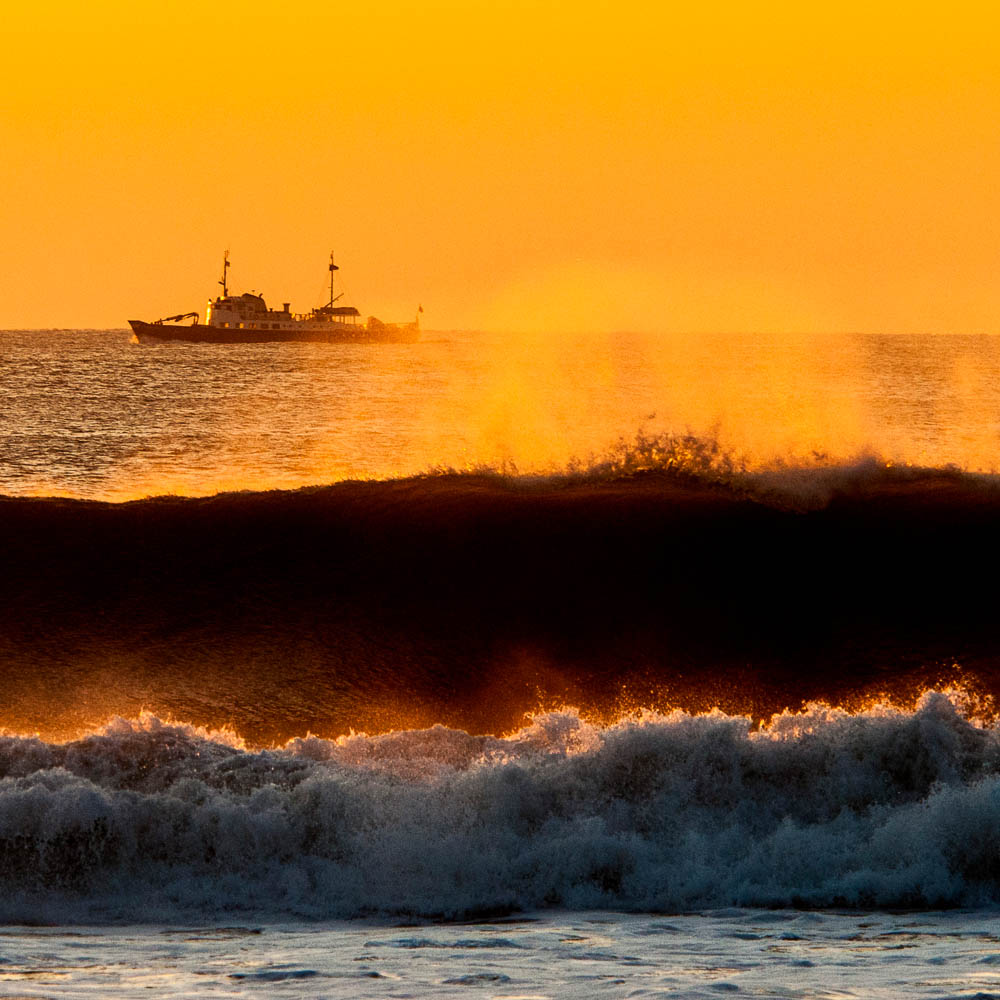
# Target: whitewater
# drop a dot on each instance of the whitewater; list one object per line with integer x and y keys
{"x": 151, "y": 821}
{"x": 678, "y": 855}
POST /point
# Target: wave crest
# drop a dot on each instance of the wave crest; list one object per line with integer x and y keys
{"x": 799, "y": 482}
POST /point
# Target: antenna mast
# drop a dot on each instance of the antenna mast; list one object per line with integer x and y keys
{"x": 333, "y": 267}
{"x": 225, "y": 272}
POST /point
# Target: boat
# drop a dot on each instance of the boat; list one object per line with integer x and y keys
{"x": 246, "y": 319}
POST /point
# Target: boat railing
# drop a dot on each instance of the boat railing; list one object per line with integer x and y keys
{"x": 316, "y": 315}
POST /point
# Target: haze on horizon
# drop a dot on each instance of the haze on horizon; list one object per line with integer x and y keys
{"x": 510, "y": 165}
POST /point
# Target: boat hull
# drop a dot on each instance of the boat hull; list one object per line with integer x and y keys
{"x": 319, "y": 333}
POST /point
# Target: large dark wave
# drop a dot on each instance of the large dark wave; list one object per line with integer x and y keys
{"x": 468, "y": 600}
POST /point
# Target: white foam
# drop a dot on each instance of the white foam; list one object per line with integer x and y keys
{"x": 146, "y": 820}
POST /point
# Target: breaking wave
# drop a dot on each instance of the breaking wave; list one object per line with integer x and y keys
{"x": 145, "y": 820}
{"x": 471, "y": 599}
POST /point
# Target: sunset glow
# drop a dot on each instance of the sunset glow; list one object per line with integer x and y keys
{"x": 509, "y": 165}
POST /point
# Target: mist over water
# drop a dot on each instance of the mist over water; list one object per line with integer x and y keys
{"x": 90, "y": 414}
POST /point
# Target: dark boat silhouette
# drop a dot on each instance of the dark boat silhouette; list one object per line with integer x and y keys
{"x": 246, "y": 319}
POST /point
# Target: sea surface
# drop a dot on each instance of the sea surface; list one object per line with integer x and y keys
{"x": 91, "y": 414}
{"x": 509, "y": 666}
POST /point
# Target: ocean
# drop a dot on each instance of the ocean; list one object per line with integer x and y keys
{"x": 512, "y": 666}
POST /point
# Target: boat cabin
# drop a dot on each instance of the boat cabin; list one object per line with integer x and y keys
{"x": 245, "y": 312}
{"x": 336, "y": 314}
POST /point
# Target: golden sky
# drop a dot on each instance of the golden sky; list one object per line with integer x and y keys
{"x": 511, "y": 165}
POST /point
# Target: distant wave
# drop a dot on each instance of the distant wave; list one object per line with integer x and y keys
{"x": 148, "y": 821}
{"x": 801, "y": 481}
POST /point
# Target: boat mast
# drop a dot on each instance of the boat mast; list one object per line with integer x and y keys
{"x": 333, "y": 267}
{"x": 225, "y": 271}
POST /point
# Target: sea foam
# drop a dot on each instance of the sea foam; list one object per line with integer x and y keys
{"x": 151, "y": 821}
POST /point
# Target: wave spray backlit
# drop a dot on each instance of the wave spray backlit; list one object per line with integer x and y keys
{"x": 89, "y": 415}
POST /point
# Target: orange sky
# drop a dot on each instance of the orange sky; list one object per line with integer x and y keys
{"x": 511, "y": 165}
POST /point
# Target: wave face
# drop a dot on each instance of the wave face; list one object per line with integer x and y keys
{"x": 148, "y": 821}
{"x": 469, "y": 600}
